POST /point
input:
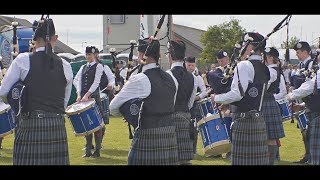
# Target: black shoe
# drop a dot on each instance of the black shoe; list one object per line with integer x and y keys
{"x": 302, "y": 161}
{"x": 87, "y": 155}
{"x": 92, "y": 148}
{"x": 96, "y": 154}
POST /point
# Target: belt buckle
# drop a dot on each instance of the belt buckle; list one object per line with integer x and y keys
{"x": 257, "y": 114}
{"x": 40, "y": 115}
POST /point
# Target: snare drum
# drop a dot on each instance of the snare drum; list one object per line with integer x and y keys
{"x": 85, "y": 117}
{"x": 284, "y": 107}
{"x": 302, "y": 121}
{"x": 206, "y": 106}
{"x": 7, "y": 120}
{"x": 214, "y": 136}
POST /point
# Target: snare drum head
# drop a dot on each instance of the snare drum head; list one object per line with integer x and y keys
{"x": 80, "y": 107}
{"x": 4, "y": 107}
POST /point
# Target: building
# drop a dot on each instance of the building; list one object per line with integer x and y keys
{"x": 60, "y": 47}
{"x": 118, "y": 30}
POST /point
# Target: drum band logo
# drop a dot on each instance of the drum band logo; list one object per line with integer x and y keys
{"x": 253, "y": 92}
{"x": 217, "y": 127}
{"x": 15, "y": 93}
{"x": 134, "y": 109}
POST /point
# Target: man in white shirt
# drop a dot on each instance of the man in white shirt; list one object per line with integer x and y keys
{"x": 309, "y": 92}
{"x": 202, "y": 93}
{"x": 249, "y": 135}
{"x": 270, "y": 108}
{"x": 154, "y": 141}
{"x": 87, "y": 82}
{"x": 187, "y": 86}
{"x": 48, "y": 82}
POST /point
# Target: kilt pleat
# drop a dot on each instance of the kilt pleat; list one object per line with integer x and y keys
{"x": 314, "y": 128}
{"x": 272, "y": 116}
{"x": 41, "y": 141}
{"x": 249, "y": 140}
{"x": 185, "y": 143}
{"x": 155, "y": 146}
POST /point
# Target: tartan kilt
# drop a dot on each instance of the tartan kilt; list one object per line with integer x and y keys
{"x": 154, "y": 146}
{"x": 182, "y": 122}
{"x": 272, "y": 116}
{"x": 249, "y": 140}
{"x": 41, "y": 141}
{"x": 314, "y": 138}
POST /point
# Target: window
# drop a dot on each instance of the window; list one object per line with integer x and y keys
{"x": 117, "y": 19}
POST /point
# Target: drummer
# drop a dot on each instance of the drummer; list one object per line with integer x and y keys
{"x": 87, "y": 83}
{"x": 201, "y": 93}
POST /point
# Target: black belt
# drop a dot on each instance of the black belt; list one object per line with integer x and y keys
{"x": 41, "y": 114}
{"x": 250, "y": 113}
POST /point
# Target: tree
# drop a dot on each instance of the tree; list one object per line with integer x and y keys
{"x": 293, "y": 40}
{"x": 223, "y": 36}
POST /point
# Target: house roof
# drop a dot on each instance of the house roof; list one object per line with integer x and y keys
{"x": 60, "y": 47}
{"x": 192, "y": 35}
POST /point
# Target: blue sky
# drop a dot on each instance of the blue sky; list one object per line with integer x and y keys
{"x": 80, "y": 30}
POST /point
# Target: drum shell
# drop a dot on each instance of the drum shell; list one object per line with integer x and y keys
{"x": 7, "y": 121}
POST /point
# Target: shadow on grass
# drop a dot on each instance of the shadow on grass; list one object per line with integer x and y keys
{"x": 105, "y": 161}
{"x": 115, "y": 152}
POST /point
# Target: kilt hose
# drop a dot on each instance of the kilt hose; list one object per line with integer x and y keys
{"x": 41, "y": 141}
{"x": 314, "y": 137}
{"x": 272, "y": 116}
{"x": 182, "y": 122}
{"x": 249, "y": 139}
{"x": 154, "y": 146}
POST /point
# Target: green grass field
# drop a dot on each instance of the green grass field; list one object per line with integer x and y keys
{"x": 116, "y": 145}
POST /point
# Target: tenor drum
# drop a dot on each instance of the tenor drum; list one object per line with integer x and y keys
{"x": 7, "y": 119}
{"x": 284, "y": 107}
{"x": 214, "y": 136}
{"x": 85, "y": 117}
{"x": 206, "y": 107}
{"x": 302, "y": 121}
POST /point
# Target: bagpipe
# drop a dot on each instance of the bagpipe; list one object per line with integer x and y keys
{"x": 304, "y": 74}
{"x": 17, "y": 93}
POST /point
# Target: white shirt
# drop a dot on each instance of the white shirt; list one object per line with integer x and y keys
{"x": 123, "y": 72}
{"x": 19, "y": 69}
{"x": 202, "y": 86}
{"x": 273, "y": 74}
{"x": 110, "y": 75}
{"x": 305, "y": 89}
{"x": 283, "y": 90}
{"x": 195, "y": 83}
{"x": 77, "y": 80}
{"x": 138, "y": 86}
{"x": 246, "y": 74}
{"x": 286, "y": 75}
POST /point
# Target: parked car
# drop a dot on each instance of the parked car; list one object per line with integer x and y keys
{"x": 67, "y": 56}
{"x": 106, "y": 59}
{"x": 125, "y": 57}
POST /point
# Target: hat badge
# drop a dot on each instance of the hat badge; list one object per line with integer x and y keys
{"x": 225, "y": 54}
{"x": 268, "y": 50}
{"x": 93, "y": 50}
{"x": 299, "y": 45}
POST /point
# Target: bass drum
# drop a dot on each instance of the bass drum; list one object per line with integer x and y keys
{"x": 75, "y": 68}
{"x": 24, "y": 36}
